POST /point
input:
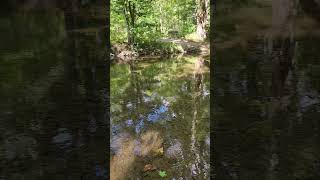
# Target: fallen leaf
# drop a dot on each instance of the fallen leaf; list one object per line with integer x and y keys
{"x": 159, "y": 151}
{"x": 162, "y": 173}
{"x": 149, "y": 167}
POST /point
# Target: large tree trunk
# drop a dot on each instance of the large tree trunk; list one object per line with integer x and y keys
{"x": 202, "y": 18}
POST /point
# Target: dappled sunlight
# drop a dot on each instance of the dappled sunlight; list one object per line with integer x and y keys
{"x": 130, "y": 149}
{"x": 120, "y": 163}
{"x": 159, "y": 96}
{"x": 150, "y": 142}
{"x": 199, "y": 66}
{"x": 180, "y": 67}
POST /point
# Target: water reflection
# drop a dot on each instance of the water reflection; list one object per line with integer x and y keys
{"x": 51, "y": 76}
{"x": 266, "y": 98}
{"x": 160, "y": 118}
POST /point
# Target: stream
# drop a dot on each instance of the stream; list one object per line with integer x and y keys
{"x": 160, "y": 119}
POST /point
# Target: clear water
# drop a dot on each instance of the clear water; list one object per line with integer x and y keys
{"x": 160, "y": 117}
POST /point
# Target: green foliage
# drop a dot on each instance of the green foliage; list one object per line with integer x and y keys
{"x": 162, "y": 173}
{"x": 117, "y": 28}
{"x": 149, "y": 20}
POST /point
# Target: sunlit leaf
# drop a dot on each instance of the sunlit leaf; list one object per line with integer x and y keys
{"x": 162, "y": 174}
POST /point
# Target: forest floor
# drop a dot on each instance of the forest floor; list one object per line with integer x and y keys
{"x": 189, "y": 46}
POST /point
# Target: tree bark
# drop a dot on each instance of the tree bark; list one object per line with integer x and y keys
{"x": 130, "y": 16}
{"x": 202, "y": 18}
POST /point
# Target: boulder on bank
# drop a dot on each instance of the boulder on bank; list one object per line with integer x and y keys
{"x": 124, "y": 52}
{"x": 127, "y": 54}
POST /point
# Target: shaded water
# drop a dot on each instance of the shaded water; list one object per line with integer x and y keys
{"x": 160, "y": 119}
{"x": 266, "y": 92}
{"x": 52, "y": 123}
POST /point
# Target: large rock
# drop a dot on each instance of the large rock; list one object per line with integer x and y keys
{"x": 127, "y": 55}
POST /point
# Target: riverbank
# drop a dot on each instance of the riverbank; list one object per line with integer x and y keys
{"x": 163, "y": 47}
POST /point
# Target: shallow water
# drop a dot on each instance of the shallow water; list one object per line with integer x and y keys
{"x": 160, "y": 118}
{"x": 52, "y": 123}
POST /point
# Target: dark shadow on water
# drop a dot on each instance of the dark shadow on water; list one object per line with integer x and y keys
{"x": 265, "y": 92}
{"x": 52, "y": 78}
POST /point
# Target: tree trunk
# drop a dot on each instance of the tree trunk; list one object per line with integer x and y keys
{"x": 129, "y": 14}
{"x": 202, "y": 18}
{"x": 161, "y": 20}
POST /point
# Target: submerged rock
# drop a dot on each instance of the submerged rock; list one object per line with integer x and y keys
{"x": 63, "y": 139}
{"x": 174, "y": 150}
{"x": 19, "y": 146}
{"x": 118, "y": 140}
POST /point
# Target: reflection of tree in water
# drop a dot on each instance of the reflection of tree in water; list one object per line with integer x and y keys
{"x": 129, "y": 150}
{"x": 166, "y": 105}
{"x": 282, "y": 53}
{"x": 262, "y": 129}
{"x": 136, "y": 83}
{"x": 62, "y": 112}
{"x": 199, "y": 166}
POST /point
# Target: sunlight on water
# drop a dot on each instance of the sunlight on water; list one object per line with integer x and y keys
{"x": 160, "y": 119}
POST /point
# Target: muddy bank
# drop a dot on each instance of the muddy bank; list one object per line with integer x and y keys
{"x": 164, "y": 47}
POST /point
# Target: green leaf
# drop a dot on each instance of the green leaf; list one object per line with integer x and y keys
{"x": 162, "y": 173}
{"x": 149, "y": 93}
